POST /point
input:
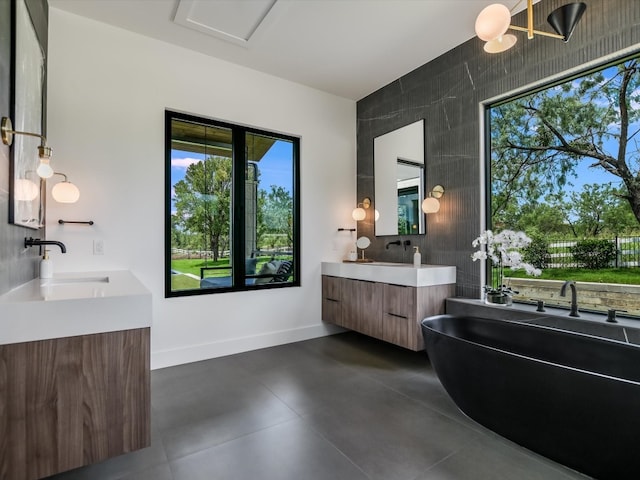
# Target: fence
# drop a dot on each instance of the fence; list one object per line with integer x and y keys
{"x": 628, "y": 253}
{"x": 208, "y": 254}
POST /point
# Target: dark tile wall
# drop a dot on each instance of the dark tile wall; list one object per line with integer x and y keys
{"x": 446, "y": 92}
{"x": 17, "y": 265}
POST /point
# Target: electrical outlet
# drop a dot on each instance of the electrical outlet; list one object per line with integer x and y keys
{"x": 98, "y": 247}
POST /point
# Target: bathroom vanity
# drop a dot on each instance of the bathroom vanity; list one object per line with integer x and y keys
{"x": 74, "y": 372}
{"x": 385, "y": 300}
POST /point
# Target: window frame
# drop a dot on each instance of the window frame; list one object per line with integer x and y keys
{"x": 237, "y": 256}
{"x": 486, "y": 140}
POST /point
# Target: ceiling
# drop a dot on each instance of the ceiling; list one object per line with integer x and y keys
{"x": 349, "y": 48}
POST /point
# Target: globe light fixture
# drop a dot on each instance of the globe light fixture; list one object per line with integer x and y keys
{"x": 65, "y": 191}
{"x": 25, "y": 190}
{"x": 431, "y": 204}
{"x": 359, "y": 213}
{"x": 494, "y": 20}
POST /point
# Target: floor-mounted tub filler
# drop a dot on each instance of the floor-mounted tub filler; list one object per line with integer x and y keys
{"x": 571, "y": 397}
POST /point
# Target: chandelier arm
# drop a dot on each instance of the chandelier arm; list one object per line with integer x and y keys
{"x": 537, "y": 32}
{"x": 530, "y": 19}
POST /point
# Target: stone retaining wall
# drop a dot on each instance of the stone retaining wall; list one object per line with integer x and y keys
{"x": 591, "y": 296}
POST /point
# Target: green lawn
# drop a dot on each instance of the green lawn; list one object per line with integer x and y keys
{"x": 182, "y": 282}
{"x": 192, "y": 266}
{"x": 606, "y": 275}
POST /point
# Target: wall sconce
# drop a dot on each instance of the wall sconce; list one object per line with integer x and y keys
{"x": 25, "y": 190}
{"x": 493, "y": 22}
{"x": 431, "y": 204}
{"x": 65, "y": 191}
{"x": 44, "y": 170}
{"x": 359, "y": 212}
{"x": 62, "y": 192}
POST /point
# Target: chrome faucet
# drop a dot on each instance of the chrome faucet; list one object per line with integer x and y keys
{"x": 574, "y": 297}
{"x": 32, "y": 242}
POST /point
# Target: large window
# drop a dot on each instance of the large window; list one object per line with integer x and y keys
{"x": 232, "y": 196}
{"x": 564, "y": 164}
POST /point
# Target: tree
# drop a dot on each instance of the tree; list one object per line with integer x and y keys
{"x": 277, "y": 213}
{"x": 597, "y": 209}
{"x": 538, "y": 139}
{"x": 536, "y": 219}
{"x": 203, "y": 199}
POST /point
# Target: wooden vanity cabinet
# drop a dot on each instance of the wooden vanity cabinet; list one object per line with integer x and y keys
{"x": 399, "y": 303}
{"x": 353, "y": 304}
{"x": 389, "y": 312}
{"x": 405, "y": 307}
{"x": 368, "y": 308}
{"x": 332, "y": 300}
{"x": 69, "y": 402}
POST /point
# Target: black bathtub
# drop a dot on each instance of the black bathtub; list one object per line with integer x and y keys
{"x": 570, "y": 397}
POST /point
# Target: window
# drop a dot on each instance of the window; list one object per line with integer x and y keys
{"x": 232, "y": 207}
{"x": 564, "y": 163}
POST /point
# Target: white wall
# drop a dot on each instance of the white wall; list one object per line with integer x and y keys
{"x": 107, "y": 92}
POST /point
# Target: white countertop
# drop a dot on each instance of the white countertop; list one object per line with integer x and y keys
{"x": 73, "y": 304}
{"x": 393, "y": 273}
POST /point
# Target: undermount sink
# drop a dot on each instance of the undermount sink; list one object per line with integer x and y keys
{"x": 394, "y": 273}
{"x": 390, "y": 264}
{"x": 72, "y": 280}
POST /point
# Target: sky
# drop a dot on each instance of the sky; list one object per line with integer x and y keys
{"x": 584, "y": 173}
{"x": 275, "y": 166}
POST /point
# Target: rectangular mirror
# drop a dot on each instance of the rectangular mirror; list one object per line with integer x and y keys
{"x": 26, "y": 206}
{"x": 398, "y": 158}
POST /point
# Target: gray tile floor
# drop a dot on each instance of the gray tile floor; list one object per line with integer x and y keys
{"x": 340, "y": 407}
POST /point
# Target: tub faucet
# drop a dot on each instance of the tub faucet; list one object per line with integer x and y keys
{"x": 397, "y": 242}
{"x": 574, "y": 297}
{"x": 32, "y": 242}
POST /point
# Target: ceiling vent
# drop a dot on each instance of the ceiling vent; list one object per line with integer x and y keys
{"x": 233, "y": 21}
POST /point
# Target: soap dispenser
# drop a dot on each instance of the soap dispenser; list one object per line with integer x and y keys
{"x": 417, "y": 258}
{"x": 46, "y": 266}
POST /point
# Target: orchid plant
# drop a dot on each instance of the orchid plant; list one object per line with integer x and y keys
{"x": 503, "y": 249}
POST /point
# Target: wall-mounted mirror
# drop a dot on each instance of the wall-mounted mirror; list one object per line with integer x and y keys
{"x": 26, "y": 205}
{"x": 398, "y": 158}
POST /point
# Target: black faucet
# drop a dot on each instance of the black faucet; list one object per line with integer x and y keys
{"x": 574, "y": 297}
{"x": 32, "y": 242}
{"x": 611, "y": 315}
{"x": 397, "y": 242}
{"x": 406, "y": 243}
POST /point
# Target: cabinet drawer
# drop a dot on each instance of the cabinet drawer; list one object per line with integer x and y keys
{"x": 331, "y": 300}
{"x": 395, "y": 329}
{"x": 399, "y": 300}
{"x": 370, "y": 309}
{"x": 332, "y": 288}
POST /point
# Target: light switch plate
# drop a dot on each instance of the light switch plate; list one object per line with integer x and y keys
{"x": 98, "y": 247}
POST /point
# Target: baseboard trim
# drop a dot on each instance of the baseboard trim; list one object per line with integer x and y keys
{"x": 195, "y": 353}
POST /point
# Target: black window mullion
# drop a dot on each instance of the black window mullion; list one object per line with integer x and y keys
{"x": 238, "y": 199}
{"x": 296, "y": 212}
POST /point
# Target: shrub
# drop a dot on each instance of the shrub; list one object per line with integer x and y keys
{"x": 594, "y": 254}
{"x": 537, "y": 253}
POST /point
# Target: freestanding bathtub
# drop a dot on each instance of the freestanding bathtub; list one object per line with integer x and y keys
{"x": 573, "y": 398}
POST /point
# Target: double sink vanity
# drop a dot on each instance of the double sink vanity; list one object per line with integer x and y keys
{"x": 74, "y": 372}
{"x": 385, "y": 300}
